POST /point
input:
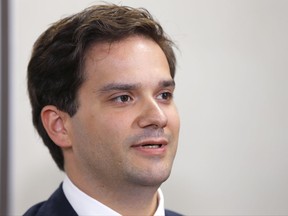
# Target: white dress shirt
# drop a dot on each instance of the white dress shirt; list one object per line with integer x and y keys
{"x": 88, "y": 206}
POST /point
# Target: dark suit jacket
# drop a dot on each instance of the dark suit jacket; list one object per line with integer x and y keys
{"x": 58, "y": 205}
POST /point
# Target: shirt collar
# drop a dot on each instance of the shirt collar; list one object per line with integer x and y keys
{"x": 86, "y": 205}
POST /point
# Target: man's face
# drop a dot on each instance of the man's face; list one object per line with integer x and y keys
{"x": 126, "y": 128}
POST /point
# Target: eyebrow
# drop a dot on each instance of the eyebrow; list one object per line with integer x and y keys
{"x": 167, "y": 83}
{"x": 130, "y": 87}
{"x": 119, "y": 86}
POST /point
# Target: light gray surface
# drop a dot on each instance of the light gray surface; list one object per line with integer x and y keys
{"x": 232, "y": 94}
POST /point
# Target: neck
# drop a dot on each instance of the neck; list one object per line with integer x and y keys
{"x": 124, "y": 199}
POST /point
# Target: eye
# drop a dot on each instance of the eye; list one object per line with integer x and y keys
{"x": 122, "y": 99}
{"x": 165, "y": 96}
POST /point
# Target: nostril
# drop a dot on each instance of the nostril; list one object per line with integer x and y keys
{"x": 152, "y": 115}
{"x": 155, "y": 126}
{"x": 154, "y": 122}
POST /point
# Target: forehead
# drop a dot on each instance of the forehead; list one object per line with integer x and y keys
{"x": 100, "y": 50}
{"x": 132, "y": 54}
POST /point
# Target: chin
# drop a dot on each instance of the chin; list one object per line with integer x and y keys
{"x": 154, "y": 178}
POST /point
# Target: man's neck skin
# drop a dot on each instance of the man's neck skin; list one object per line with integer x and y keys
{"x": 124, "y": 199}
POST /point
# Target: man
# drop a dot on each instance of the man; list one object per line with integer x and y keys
{"x": 101, "y": 86}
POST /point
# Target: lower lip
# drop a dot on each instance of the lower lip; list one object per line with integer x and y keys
{"x": 151, "y": 151}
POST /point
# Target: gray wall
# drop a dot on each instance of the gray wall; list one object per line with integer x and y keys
{"x": 232, "y": 94}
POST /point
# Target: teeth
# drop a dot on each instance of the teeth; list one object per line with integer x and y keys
{"x": 151, "y": 146}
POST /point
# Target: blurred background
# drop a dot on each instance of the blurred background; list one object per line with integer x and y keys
{"x": 232, "y": 95}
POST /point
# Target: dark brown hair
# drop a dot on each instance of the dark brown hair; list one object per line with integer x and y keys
{"x": 55, "y": 70}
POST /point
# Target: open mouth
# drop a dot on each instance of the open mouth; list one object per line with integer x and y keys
{"x": 151, "y": 146}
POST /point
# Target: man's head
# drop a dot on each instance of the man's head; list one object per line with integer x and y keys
{"x": 60, "y": 68}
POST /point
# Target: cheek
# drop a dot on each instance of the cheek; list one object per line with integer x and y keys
{"x": 173, "y": 119}
{"x": 95, "y": 141}
{"x": 111, "y": 128}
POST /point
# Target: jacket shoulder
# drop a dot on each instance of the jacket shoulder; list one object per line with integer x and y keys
{"x": 56, "y": 205}
{"x": 171, "y": 213}
{"x": 33, "y": 211}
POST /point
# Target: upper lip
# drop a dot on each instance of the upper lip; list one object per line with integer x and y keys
{"x": 158, "y": 141}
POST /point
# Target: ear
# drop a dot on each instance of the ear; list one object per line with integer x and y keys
{"x": 54, "y": 122}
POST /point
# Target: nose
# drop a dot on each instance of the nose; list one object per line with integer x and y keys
{"x": 152, "y": 115}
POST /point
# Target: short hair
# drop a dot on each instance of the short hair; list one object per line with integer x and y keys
{"x": 56, "y": 67}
